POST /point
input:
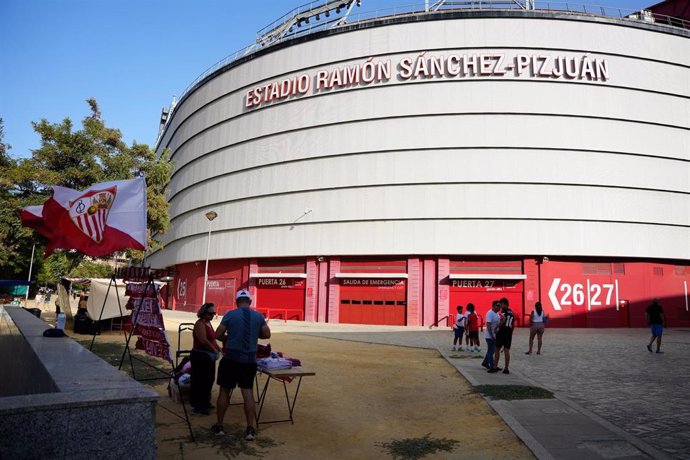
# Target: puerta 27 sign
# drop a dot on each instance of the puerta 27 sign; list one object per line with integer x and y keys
{"x": 145, "y": 303}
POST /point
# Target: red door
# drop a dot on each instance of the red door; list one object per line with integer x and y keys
{"x": 373, "y": 301}
{"x": 280, "y": 298}
{"x": 482, "y": 293}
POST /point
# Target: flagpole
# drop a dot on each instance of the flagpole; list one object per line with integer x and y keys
{"x": 210, "y": 216}
{"x": 31, "y": 266}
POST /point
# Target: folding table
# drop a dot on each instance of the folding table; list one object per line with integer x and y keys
{"x": 281, "y": 375}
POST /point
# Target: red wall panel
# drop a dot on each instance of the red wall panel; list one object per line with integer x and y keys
{"x": 577, "y": 294}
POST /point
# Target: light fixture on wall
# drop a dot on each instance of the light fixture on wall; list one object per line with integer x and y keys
{"x": 306, "y": 211}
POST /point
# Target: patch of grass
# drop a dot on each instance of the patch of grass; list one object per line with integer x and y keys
{"x": 512, "y": 392}
{"x": 416, "y": 448}
{"x": 233, "y": 444}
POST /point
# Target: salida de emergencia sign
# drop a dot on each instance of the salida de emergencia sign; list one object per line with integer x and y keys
{"x": 427, "y": 66}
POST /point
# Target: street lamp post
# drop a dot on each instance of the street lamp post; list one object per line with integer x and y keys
{"x": 31, "y": 266}
{"x": 210, "y": 216}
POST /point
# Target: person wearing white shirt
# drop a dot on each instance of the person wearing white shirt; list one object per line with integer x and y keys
{"x": 537, "y": 320}
{"x": 459, "y": 329}
{"x": 492, "y": 320}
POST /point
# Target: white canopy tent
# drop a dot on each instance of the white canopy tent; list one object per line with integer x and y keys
{"x": 97, "y": 294}
{"x": 98, "y": 287}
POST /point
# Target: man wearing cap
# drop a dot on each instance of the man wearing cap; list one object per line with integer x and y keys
{"x": 240, "y": 331}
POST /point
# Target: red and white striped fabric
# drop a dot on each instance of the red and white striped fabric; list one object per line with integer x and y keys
{"x": 107, "y": 217}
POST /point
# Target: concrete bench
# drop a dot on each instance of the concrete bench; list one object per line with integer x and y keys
{"x": 59, "y": 400}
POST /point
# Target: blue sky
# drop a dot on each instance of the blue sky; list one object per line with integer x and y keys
{"x": 132, "y": 56}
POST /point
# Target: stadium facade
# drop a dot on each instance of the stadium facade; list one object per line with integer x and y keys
{"x": 385, "y": 169}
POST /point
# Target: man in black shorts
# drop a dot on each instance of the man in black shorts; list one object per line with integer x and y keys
{"x": 240, "y": 331}
{"x": 504, "y": 336}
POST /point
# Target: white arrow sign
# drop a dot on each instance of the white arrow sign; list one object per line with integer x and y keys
{"x": 552, "y": 294}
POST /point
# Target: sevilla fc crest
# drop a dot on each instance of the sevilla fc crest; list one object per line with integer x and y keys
{"x": 90, "y": 211}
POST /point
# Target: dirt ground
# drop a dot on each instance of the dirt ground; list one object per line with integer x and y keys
{"x": 363, "y": 395}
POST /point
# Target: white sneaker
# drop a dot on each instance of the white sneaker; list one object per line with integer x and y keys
{"x": 459, "y": 348}
{"x": 479, "y": 350}
{"x": 452, "y": 349}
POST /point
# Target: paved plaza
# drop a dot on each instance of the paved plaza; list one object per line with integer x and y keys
{"x": 606, "y": 375}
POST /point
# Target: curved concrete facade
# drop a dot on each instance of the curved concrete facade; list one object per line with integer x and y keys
{"x": 390, "y": 170}
{"x": 500, "y": 161}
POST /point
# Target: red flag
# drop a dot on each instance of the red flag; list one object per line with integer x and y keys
{"x": 105, "y": 218}
{"x": 32, "y": 217}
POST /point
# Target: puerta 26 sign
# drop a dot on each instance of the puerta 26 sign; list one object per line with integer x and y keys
{"x": 437, "y": 66}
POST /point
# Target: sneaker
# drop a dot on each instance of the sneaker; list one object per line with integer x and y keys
{"x": 493, "y": 370}
{"x": 459, "y": 348}
{"x": 452, "y": 349}
{"x": 217, "y": 430}
{"x": 528, "y": 352}
{"x": 479, "y": 350}
{"x": 659, "y": 351}
{"x": 506, "y": 371}
{"x": 649, "y": 347}
{"x": 249, "y": 433}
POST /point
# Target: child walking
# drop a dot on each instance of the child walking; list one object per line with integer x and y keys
{"x": 458, "y": 329}
{"x": 473, "y": 328}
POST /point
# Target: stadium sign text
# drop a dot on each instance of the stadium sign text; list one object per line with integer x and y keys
{"x": 425, "y": 67}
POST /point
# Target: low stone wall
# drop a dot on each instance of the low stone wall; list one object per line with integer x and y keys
{"x": 59, "y": 400}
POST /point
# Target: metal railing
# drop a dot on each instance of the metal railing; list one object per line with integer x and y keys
{"x": 643, "y": 16}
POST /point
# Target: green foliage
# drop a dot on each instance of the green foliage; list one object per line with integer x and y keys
{"x": 416, "y": 448}
{"x": 90, "y": 269}
{"x": 513, "y": 392}
{"x": 15, "y": 242}
{"x": 74, "y": 158}
{"x": 54, "y": 267}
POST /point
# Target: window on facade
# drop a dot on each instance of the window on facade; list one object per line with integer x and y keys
{"x": 596, "y": 269}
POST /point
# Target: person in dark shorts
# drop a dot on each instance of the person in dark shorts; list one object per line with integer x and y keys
{"x": 504, "y": 337}
{"x": 655, "y": 319}
{"x": 473, "y": 328}
{"x": 459, "y": 329}
{"x": 239, "y": 330}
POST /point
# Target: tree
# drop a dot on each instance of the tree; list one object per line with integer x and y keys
{"x": 90, "y": 269}
{"x": 78, "y": 158}
{"x": 15, "y": 241}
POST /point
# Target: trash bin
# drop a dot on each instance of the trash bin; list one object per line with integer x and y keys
{"x": 34, "y": 311}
